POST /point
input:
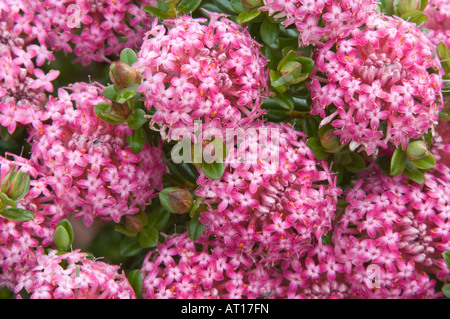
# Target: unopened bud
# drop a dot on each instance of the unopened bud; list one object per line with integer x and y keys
{"x": 331, "y": 142}
{"x": 122, "y": 75}
{"x": 417, "y": 150}
{"x": 61, "y": 238}
{"x": 121, "y": 108}
{"x": 180, "y": 201}
{"x": 15, "y": 184}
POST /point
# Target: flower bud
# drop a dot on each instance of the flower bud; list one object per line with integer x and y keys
{"x": 121, "y": 108}
{"x": 252, "y": 3}
{"x": 122, "y": 75}
{"x": 331, "y": 142}
{"x": 180, "y": 201}
{"x": 61, "y": 238}
{"x": 417, "y": 150}
{"x": 15, "y": 184}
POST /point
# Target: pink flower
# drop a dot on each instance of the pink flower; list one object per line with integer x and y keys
{"x": 44, "y": 80}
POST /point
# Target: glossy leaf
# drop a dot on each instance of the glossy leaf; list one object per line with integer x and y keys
{"x": 156, "y": 12}
{"x": 269, "y": 31}
{"x": 398, "y": 162}
{"x": 148, "y": 237}
{"x": 164, "y": 198}
{"x": 128, "y": 56}
{"x": 247, "y": 16}
{"x": 110, "y": 93}
{"x": 130, "y": 247}
{"x": 357, "y": 164}
{"x": 317, "y": 148}
{"x": 61, "y": 239}
{"x": 414, "y": 173}
{"x": 425, "y": 163}
{"x": 17, "y": 214}
{"x": 195, "y": 227}
{"x": 136, "y": 119}
{"x": 137, "y": 140}
{"x": 446, "y": 290}
{"x": 446, "y": 256}
{"x": 158, "y": 218}
{"x": 68, "y": 227}
{"x": 104, "y": 111}
{"x": 135, "y": 278}
{"x": 187, "y": 6}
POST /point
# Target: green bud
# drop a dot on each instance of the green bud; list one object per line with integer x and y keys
{"x": 330, "y": 141}
{"x": 122, "y": 75}
{"x": 180, "y": 200}
{"x": 61, "y": 238}
{"x": 417, "y": 150}
{"x": 15, "y": 184}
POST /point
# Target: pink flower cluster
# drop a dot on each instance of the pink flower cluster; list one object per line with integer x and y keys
{"x": 92, "y": 30}
{"x": 400, "y": 227}
{"x": 438, "y": 12}
{"x": 258, "y": 221}
{"x": 73, "y": 275}
{"x": 377, "y": 86}
{"x": 198, "y": 71}
{"x": 87, "y": 163}
{"x": 22, "y": 84}
{"x": 321, "y": 21}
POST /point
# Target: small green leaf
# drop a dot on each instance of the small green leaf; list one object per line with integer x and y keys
{"x": 148, "y": 237}
{"x": 125, "y": 230}
{"x": 414, "y": 173}
{"x": 68, "y": 227}
{"x": 187, "y": 6}
{"x": 135, "y": 278}
{"x": 136, "y": 119}
{"x": 247, "y": 16}
{"x": 416, "y": 17}
{"x": 444, "y": 55}
{"x": 17, "y": 214}
{"x": 307, "y": 64}
{"x": 128, "y": 56}
{"x": 269, "y": 31}
{"x": 446, "y": 290}
{"x": 158, "y": 218}
{"x": 110, "y": 93}
{"x": 104, "y": 111}
{"x": 357, "y": 164}
{"x": 213, "y": 170}
{"x": 425, "y": 163}
{"x": 398, "y": 162}
{"x": 446, "y": 255}
{"x": 277, "y": 81}
{"x": 317, "y": 148}
{"x": 164, "y": 198}
{"x": 61, "y": 239}
{"x": 286, "y": 101}
{"x": 126, "y": 93}
{"x": 238, "y": 6}
{"x": 137, "y": 140}
{"x": 195, "y": 227}
{"x": 156, "y": 12}
{"x": 130, "y": 246}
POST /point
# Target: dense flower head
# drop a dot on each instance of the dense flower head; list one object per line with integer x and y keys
{"x": 400, "y": 230}
{"x": 87, "y": 162}
{"x": 438, "y": 22}
{"x": 270, "y": 208}
{"x": 377, "y": 86}
{"x": 92, "y": 30}
{"x": 320, "y": 21}
{"x": 73, "y": 275}
{"x": 201, "y": 71}
{"x": 23, "y": 85}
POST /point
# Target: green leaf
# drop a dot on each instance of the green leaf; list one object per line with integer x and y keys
{"x": 290, "y": 56}
{"x": 286, "y": 101}
{"x": 414, "y": 173}
{"x": 68, "y": 227}
{"x": 130, "y": 247}
{"x": 195, "y": 227}
{"x": 110, "y": 93}
{"x": 136, "y": 119}
{"x": 317, "y": 148}
{"x": 277, "y": 81}
{"x": 61, "y": 239}
{"x": 247, "y": 16}
{"x": 162, "y": 15}
{"x": 125, "y": 230}
{"x": 384, "y": 163}
{"x": 187, "y": 6}
{"x": 17, "y": 214}
{"x": 307, "y": 64}
{"x": 444, "y": 55}
{"x": 158, "y": 218}
{"x": 269, "y": 31}
{"x": 446, "y": 255}
{"x": 126, "y": 93}
{"x": 104, "y": 111}
{"x": 423, "y": 5}
{"x": 135, "y": 279}
{"x": 213, "y": 170}
{"x": 446, "y": 290}
{"x": 277, "y": 115}
{"x": 398, "y": 162}
{"x": 164, "y": 198}
{"x": 425, "y": 163}
{"x": 128, "y": 56}
{"x": 137, "y": 140}
{"x": 416, "y": 17}
{"x": 238, "y": 6}
{"x": 148, "y": 237}
{"x": 357, "y": 164}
